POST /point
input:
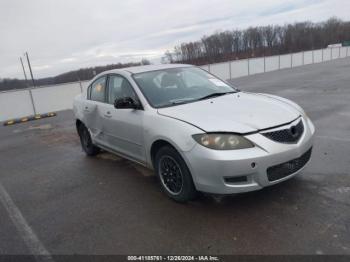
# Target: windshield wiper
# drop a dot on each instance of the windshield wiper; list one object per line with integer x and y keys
{"x": 215, "y": 95}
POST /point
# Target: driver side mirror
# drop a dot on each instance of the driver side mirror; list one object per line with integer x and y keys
{"x": 127, "y": 103}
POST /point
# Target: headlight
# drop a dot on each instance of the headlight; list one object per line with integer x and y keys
{"x": 223, "y": 141}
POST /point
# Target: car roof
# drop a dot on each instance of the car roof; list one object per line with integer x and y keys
{"x": 146, "y": 68}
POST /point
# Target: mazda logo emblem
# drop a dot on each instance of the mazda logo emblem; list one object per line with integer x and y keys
{"x": 293, "y": 131}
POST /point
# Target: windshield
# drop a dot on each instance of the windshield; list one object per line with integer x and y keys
{"x": 175, "y": 86}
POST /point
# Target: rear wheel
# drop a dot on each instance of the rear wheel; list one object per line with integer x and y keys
{"x": 174, "y": 175}
{"x": 86, "y": 143}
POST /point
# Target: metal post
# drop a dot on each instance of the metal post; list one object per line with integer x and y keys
{"x": 339, "y": 53}
{"x": 30, "y": 69}
{"x": 81, "y": 87}
{"x": 291, "y": 60}
{"x": 303, "y": 58}
{"x": 248, "y": 67}
{"x": 229, "y": 68}
{"x": 322, "y": 55}
{"x": 24, "y": 71}
{"x": 32, "y": 100}
{"x": 264, "y": 59}
{"x": 331, "y": 53}
{"x": 312, "y": 56}
{"x": 347, "y": 48}
{"x": 209, "y": 67}
{"x": 279, "y": 62}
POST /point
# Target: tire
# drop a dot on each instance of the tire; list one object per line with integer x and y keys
{"x": 174, "y": 176}
{"x": 86, "y": 143}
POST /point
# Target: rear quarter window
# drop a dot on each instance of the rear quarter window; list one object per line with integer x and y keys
{"x": 97, "y": 90}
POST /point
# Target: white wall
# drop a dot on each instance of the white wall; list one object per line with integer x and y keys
{"x": 205, "y": 67}
{"x": 15, "y": 104}
{"x": 239, "y": 68}
{"x": 308, "y": 57}
{"x": 327, "y": 54}
{"x": 318, "y": 56}
{"x": 18, "y": 103}
{"x": 84, "y": 84}
{"x": 272, "y": 63}
{"x": 54, "y": 98}
{"x": 297, "y": 59}
{"x": 256, "y": 66}
{"x": 285, "y": 61}
{"x": 335, "y": 53}
{"x": 343, "y": 52}
{"x": 221, "y": 70}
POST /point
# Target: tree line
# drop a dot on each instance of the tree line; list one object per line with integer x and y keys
{"x": 260, "y": 41}
{"x": 71, "y": 76}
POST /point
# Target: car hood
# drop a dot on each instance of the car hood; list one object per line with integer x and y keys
{"x": 239, "y": 113}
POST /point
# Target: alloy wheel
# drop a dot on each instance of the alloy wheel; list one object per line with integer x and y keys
{"x": 170, "y": 175}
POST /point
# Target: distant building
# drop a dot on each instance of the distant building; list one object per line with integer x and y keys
{"x": 346, "y": 43}
{"x": 335, "y": 45}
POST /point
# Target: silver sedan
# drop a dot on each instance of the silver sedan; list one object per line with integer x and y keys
{"x": 198, "y": 132}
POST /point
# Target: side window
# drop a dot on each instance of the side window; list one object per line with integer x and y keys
{"x": 98, "y": 89}
{"x": 119, "y": 87}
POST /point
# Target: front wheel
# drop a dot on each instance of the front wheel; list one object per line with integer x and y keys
{"x": 174, "y": 175}
{"x": 86, "y": 143}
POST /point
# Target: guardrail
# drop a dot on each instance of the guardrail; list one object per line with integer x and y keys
{"x": 28, "y": 102}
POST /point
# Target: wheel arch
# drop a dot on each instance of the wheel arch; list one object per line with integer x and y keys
{"x": 78, "y": 123}
{"x": 158, "y": 144}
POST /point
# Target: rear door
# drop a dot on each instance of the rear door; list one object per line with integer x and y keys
{"x": 123, "y": 128}
{"x": 96, "y": 97}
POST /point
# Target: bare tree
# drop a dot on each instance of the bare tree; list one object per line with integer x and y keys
{"x": 263, "y": 40}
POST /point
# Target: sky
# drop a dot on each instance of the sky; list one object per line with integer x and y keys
{"x": 63, "y": 35}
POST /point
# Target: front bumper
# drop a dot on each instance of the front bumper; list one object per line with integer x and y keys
{"x": 211, "y": 168}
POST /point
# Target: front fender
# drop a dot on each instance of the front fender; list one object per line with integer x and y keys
{"x": 175, "y": 132}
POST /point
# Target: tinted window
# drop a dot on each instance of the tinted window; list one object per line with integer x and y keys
{"x": 119, "y": 87}
{"x": 98, "y": 89}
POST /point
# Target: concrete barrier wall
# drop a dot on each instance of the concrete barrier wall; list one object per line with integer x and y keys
{"x": 343, "y": 51}
{"x": 318, "y": 56}
{"x": 205, "y": 67}
{"x": 221, "y": 70}
{"x": 285, "y": 61}
{"x": 272, "y": 63}
{"x": 54, "y": 98}
{"x": 85, "y": 85}
{"x": 335, "y": 53}
{"x": 239, "y": 68}
{"x": 308, "y": 57}
{"x": 297, "y": 59}
{"x": 256, "y": 66}
{"x": 20, "y": 103}
{"x": 15, "y": 104}
{"x": 327, "y": 54}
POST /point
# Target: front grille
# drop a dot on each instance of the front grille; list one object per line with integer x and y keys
{"x": 288, "y": 136}
{"x": 288, "y": 168}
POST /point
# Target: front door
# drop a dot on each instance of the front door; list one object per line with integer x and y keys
{"x": 123, "y": 128}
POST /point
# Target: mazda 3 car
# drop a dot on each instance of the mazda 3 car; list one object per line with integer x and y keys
{"x": 196, "y": 131}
